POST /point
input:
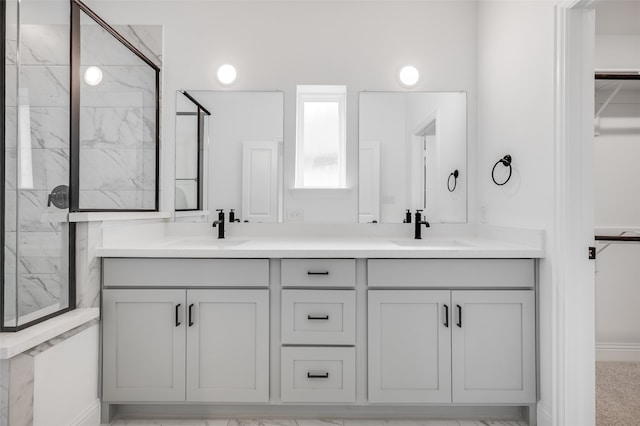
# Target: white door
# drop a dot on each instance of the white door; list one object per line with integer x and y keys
{"x": 143, "y": 345}
{"x": 493, "y": 348}
{"x": 228, "y": 345}
{"x": 409, "y": 346}
{"x": 260, "y": 181}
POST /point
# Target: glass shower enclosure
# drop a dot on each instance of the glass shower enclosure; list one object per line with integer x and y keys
{"x": 79, "y": 133}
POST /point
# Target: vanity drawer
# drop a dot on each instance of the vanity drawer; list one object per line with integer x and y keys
{"x": 318, "y": 317}
{"x": 148, "y": 272}
{"x": 318, "y": 374}
{"x": 451, "y": 273}
{"x": 318, "y": 273}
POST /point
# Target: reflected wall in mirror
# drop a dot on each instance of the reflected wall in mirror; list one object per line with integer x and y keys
{"x": 411, "y": 144}
{"x": 244, "y": 167}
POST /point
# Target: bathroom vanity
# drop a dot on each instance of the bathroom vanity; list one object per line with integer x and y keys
{"x": 320, "y": 326}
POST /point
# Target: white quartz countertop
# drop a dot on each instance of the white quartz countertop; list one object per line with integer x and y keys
{"x": 321, "y": 247}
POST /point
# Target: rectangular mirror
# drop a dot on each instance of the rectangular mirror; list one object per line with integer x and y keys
{"x": 243, "y": 168}
{"x": 413, "y": 155}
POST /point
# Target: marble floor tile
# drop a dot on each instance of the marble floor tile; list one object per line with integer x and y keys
{"x": 316, "y": 422}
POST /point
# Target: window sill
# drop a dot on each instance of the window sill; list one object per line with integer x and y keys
{"x": 106, "y": 216}
{"x": 320, "y": 193}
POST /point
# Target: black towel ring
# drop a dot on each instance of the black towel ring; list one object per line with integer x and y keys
{"x": 505, "y": 161}
{"x": 453, "y": 174}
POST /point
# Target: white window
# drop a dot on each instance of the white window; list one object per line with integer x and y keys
{"x": 321, "y": 137}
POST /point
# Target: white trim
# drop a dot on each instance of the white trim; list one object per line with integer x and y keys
{"x": 12, "y": 344}
{"x": 320, "y": 193}
{"x": 620, "y": 352}
{"x": 105, "y": 216}
{"x": 90, "y": 416}
{"x": 544, "y": 415}
{"x": 573, "y": 304}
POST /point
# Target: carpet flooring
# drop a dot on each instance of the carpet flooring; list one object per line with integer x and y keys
{"x": 618, "y": 393}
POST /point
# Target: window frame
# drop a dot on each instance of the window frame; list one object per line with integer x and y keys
{"x": 321, "y": 93}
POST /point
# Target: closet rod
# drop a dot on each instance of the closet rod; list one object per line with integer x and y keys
{"x": 620, "y": 238}
{"x": 630, "y": 75}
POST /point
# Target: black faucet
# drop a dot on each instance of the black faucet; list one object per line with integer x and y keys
{"x": 219, "y": 223}
{"x": 232, "y": 216}
{"x": 419, "y": 223}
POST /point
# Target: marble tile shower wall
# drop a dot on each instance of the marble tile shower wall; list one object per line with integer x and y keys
{"x": 37, "y": 91}
{"x": 116, "y": 140}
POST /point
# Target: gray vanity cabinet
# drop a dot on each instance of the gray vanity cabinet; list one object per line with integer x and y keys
{"x": 493, "y": 346}
{"x": 409, "y": 346}
{"x": 185, "y": 344}
{"x": 143, "y": 345}
{"x": 463, "y": 342}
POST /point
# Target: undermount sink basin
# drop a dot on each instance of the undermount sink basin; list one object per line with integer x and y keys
{"x": 206, "y": 242}
{"x": 434, "y": 243}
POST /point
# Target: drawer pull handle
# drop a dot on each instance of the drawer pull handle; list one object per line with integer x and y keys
{"x": 190, "y": 315}
{"x": 317, "y": 317}
{"x": 446, "y": 316}
{"x": 459, "y": 324}
{"x": 178, "y": 315}
{"x": 318, "y": 376}
{"x": 317, "y": 273}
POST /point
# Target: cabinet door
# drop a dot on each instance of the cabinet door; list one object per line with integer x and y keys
{"x": 409, "y": 346}
{"x": 228, "y": 345}
{"x": 143, "y": 345}
{"x": 493, "y": 346}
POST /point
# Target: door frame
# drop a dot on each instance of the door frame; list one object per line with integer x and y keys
{"x": 572, "y": 328}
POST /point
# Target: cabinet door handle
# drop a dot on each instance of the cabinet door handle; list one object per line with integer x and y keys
{"x": 317, "y": 317}
{"x": 190, "y": 315}
{"x": 459, "y": 324}
{"x": 178, "y": 315}
{"x": 446, "y": 316}
{"x": 317, "y": 273}
{"x": 318, "y": 376}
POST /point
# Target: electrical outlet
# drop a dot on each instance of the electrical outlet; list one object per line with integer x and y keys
{"x": 388, "y": 199}
{"x": 295, "y": 215}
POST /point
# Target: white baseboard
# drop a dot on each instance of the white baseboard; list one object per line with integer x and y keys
{"x": 544, "y": 415}
{"x": 90, "y": 416}
{"x": 620, "y": 352}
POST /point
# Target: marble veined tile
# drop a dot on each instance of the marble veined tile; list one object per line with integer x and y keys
{"x": 117, "y": 127}
{"x": 370, "y": 422}
{"x": 121, "y": 86}
{"x": 49, "y": 168}
{"x": 146, "y": 38}
{"x": 165, "y": 422}
{"x": 39, "y": 291}
{"x": 316, "y": 422}
{"x": 35, "y": 215}
{"x": 50, "y": 127}
{"x": 111, "y": 169}
{"x": 102, "y": 199}
{"x": 98, "y": 47}
{"x": 44, "y": 44}
{"x": 45, "y": 85}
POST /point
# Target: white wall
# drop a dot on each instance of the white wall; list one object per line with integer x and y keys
{"x": 65, "y": 389}
{"x": 236, "y": 118}
{"x": 617, "y": 149}
{"x": 516, "y": 117}
{"x": 277, "y": 45}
